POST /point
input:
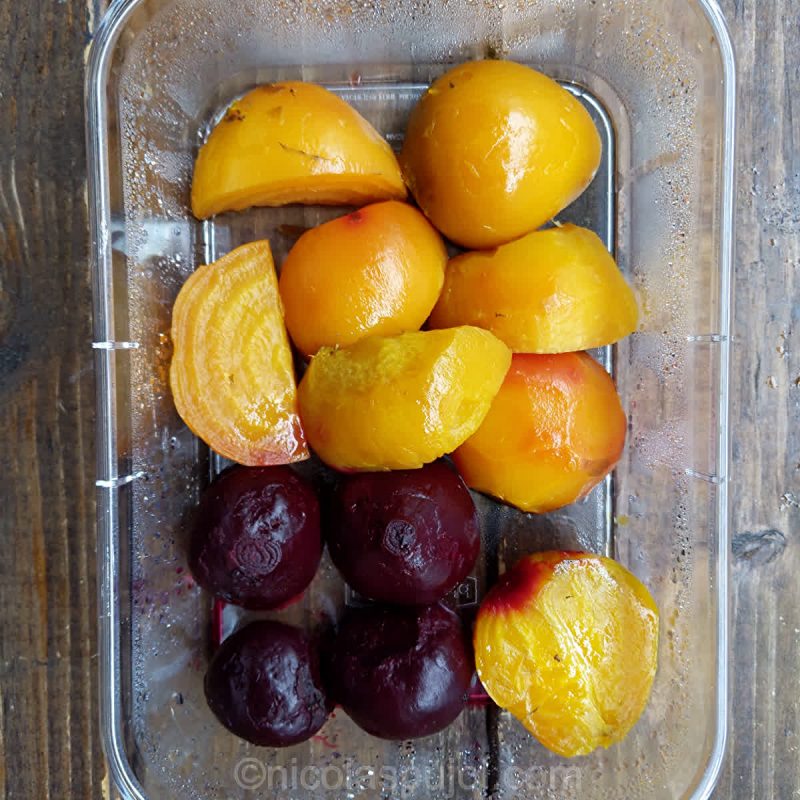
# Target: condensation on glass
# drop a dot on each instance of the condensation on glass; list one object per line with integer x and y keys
{"x": 658, "y": 77}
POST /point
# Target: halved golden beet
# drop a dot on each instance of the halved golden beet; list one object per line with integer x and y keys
{"x": 555, "y": 429}
{"x": 292, "y": 142}
{"x": 232, "y": 374}
{"x": 552, "y": 291}
{"x": 494, "y": 149}
{"x": 377, "y": 271}
{"x": 398, "y": 402}
{"x": 568, "y": 643}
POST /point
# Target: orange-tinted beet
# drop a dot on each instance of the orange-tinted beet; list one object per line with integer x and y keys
{"x": 555, "y": 429}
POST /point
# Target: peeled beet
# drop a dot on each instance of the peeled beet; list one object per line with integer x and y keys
{"x": 405, "y": 537}
{"x": 400, "y": 673}
{"x": 257, "y": 540}
{"x": 264, "y": 685}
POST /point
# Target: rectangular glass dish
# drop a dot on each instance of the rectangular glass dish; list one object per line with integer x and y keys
{"x": 658, "y": 78}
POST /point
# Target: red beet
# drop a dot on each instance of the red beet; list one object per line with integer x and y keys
{"x": 406, "y": 537}
{"x": 257, "y": 540}
{"x": 400, "y": 673}
{"x": 264, "y": 685}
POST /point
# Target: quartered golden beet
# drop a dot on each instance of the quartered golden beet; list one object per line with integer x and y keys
{"x": 398, "y": 402}
{"x": 551, "y": 291}
{"x": 494, "y": 149}
{"x": 376, "y": 271}
{"x": 568, "y": 643}
{"x": 232, "y": 375}
{"x": 292, "y": 142}
{"x": 555, "y": 429}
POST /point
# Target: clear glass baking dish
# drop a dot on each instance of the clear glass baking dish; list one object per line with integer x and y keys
{"x": 658, "y": 75}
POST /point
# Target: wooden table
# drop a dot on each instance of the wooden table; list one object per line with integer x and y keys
{"x": 49, "y": 742}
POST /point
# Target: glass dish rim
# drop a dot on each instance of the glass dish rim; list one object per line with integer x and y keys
{"x": 108, "y": 481}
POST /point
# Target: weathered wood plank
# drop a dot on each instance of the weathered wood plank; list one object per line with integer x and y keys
{"x": 50, "y": 743}
{"x": 763, "y": 755}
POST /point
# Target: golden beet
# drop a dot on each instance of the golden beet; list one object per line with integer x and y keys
{"x": 399, "y": 402}
{"x": 232, "y": 375}
{"x": 555, "y": 429}
{"x": 552, "y": 291}
{"x": 377, "y": 271}
{"x": 292, "y": 142}
{"x": 568, "y": 643}
{"x": 494, "y": 149}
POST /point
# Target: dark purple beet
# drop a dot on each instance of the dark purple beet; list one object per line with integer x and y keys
{"x": 257, "y": 540}
{"x": 405, "y": 537}
{"x": 400, "y": 673}
{"x": 264, "y": 685}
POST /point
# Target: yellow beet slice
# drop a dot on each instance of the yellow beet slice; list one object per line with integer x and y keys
{"x": 232, "y": 375}
{"x": 292, "y": 142}
{"x": 399, "y": 402}
{"x": 568, "y": 643}
{"x": 552, "y": 291}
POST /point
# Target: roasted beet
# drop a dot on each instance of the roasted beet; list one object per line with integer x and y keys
{"x": 404, "y": 537}
{"x": 257, "y": 540}
{"x": 264, "y": 685}
{"x": 400, "y": 673}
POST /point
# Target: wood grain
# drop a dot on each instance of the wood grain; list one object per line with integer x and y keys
{"x": 763, "y": 753}
{"x": 49, "y": 742}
